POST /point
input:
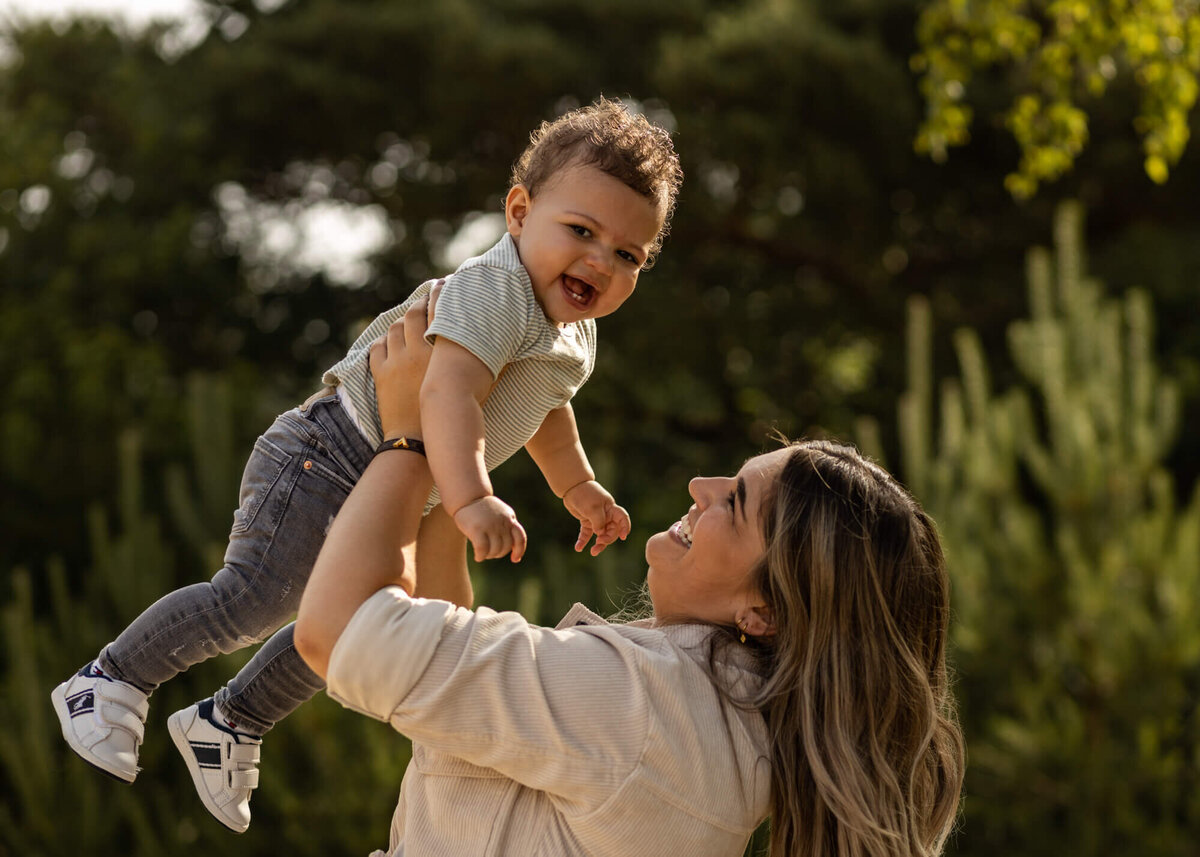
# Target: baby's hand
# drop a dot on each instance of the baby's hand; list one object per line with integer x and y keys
{"x": 598, "y": 514}
{"x": 493, "y": 529}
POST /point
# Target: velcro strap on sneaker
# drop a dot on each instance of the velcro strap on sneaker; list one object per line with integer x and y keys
{"x": 245, "y": 753}
{"x": 124, "y": 695}
{"x": 247, "y": 779}
{"x": 120, "y": 717}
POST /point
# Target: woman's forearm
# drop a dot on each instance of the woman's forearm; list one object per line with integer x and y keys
{"x": 371, "y": 545}
{"x": 442, "y": 559}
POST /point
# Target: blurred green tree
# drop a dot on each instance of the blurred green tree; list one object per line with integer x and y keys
{"x": 1059, "y": 55}
{"x": 150, "y": 191}
{"x": 311, "y": 797}
{"x": 1076, "y": 639}
{"x": 143, "y": 181}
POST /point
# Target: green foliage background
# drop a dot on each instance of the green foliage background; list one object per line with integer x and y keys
{"x": 822, "y": 276}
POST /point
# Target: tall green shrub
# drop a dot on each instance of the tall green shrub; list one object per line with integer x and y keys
{"x": 329, "y": 777}
{"x": 55, "y": 804}
{"x": 1075, "y": 566}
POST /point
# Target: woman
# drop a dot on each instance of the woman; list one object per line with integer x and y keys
{"x": 794, "y": 667}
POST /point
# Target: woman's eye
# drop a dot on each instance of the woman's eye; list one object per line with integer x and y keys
{"x": 731, "y": 499}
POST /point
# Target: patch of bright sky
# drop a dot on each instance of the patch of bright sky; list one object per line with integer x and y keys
{"x": 136, "y": 13}
{"x": 192, "y": 18}
{"x": 328, "y": 236}
{"x": 316, "y": 235}
{"x": 479, "y": 231}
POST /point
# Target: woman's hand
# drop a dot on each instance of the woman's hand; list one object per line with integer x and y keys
{"x": 398, "y": 362}
{"x": 372, "y": 543}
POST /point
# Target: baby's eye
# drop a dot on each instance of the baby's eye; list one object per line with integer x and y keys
{"x": 628, "y": 257}
{"x": 581, "y": 231}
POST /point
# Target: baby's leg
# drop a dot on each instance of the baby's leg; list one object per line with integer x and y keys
{"x": 271, "y": 686}
{"x": 220, "y": 738}
{"x": 277, "y": 681}
{"x": 292, "y": 487}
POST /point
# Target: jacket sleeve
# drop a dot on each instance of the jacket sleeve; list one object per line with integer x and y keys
{"x": 561, "y": 711}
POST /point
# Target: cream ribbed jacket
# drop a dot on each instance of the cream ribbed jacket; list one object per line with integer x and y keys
{"x": 586, "y": 739}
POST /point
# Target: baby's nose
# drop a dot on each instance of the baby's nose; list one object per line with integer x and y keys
{"x": 600, "y": 261}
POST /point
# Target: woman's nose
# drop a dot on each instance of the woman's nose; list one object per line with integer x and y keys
{"x": 703, "y": 489}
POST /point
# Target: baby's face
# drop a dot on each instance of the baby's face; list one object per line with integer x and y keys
{"x": 583, "y": 240}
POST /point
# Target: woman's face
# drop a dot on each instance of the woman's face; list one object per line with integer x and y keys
{"x": 700, "y": 568}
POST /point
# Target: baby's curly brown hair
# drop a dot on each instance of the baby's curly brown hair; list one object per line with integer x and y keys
{"x": 623, "y": 144}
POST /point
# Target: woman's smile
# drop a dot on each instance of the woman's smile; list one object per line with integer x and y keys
{"x": 700, "y": 567}
{"x": 681, "y": 530}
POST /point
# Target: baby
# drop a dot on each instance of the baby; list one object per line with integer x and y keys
{"x": 513, "y": 338}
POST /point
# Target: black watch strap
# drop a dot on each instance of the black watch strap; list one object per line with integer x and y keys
{"x": 409, "y": 443}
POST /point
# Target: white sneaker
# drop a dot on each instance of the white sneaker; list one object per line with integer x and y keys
{"x": 103, "y": 720}
{"x": 223, "y": 763}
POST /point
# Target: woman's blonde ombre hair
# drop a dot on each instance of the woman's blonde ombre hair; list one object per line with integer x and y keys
{"x": 866, "y": 754}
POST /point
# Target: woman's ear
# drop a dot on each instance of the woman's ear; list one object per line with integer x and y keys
{"x": 757, "y": 620}
{"x": 516, "y": 208}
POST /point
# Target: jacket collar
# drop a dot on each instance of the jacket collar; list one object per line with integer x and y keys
{"x": 692, "y": 638}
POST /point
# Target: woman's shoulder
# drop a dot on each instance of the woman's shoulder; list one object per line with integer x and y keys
{"x": 692, "y": 652}
{"x": 705, "y": 746}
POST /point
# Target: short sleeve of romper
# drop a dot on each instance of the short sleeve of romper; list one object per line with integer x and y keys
{"x": 489, "y": 311}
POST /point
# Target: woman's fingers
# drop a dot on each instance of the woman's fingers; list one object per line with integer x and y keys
{"x": 414, "y": 324}
{"x": 377, "y": 353}
{"x": 416, "y": 321}
{"x": 434, "y": 294}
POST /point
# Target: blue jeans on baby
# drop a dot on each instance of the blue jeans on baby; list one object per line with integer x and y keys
{"x": 297, "y": 478}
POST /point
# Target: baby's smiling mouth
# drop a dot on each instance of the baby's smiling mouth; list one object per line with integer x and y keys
{"x": 577, "y": 291}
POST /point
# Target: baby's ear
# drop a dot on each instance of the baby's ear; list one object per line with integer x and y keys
{"x": 516, "y": 208}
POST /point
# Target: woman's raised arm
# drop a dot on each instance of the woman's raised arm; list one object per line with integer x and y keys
{"x": 372, "y": 543}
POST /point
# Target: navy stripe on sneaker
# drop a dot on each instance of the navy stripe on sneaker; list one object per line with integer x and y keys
{"x": 207, "y": 755}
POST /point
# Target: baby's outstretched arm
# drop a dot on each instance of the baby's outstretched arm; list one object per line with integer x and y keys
{"x": 598, "y": 515}
{"x": 558, "y": 453}
{"x": 452, "y": 424}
